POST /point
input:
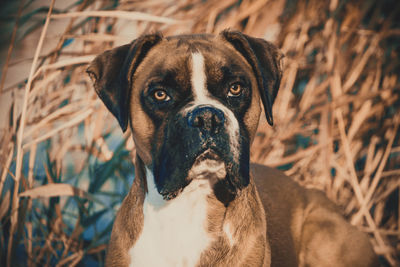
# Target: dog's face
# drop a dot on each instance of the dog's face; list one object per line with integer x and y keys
{"x": 193, "y": 103}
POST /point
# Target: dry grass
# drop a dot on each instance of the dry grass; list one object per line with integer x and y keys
{"x": 63, "y": 158}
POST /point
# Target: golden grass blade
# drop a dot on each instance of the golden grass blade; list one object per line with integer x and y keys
{"x": 64, "y": 63}
{"x": 64, "y": 111}
{"x": 98, "y": 37}
{"x": 6, "y": 167}
{"x": 32, "y": 157}
{"x": 297, "y": 156}
{"x": 29, "y": 230}
{"x": 119, "y": 14}
{"x": 355, "y": 73}
{"x": 53, "y": 190}
{"x": 77, "y": 119}
{"x": 359, "y": 118}
{"x": 4, "y": 204}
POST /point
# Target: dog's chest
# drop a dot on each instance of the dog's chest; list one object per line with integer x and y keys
{"x": 174, "y": 232}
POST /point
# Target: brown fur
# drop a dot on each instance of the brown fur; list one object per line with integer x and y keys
{"x": 304, "y": 228}
{"x": 250, "y": 246}
{"x": 128, "y": 222}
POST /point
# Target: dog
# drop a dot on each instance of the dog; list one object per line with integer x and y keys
{"x": 193, "y": 104}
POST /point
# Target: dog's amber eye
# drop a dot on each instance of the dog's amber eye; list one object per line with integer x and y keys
{"x": 235, "y": 89}
{"x": 160, "y": 95}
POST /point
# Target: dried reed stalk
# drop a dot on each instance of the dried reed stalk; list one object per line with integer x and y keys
{"x": 20, "y": 133}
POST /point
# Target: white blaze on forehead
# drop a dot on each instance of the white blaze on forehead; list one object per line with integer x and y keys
{"x": 198, "y": 76}
{"x": 202, "y": 97}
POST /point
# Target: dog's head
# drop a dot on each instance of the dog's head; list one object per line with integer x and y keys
{"x": 192, "y": 102}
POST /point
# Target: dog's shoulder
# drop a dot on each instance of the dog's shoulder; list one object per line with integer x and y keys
{"x": 275, "y": 185}
{"x": 305, "y": 224}
{"x": 284, "y": 201}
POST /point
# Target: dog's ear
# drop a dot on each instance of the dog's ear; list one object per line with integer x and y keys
{"x": 112, "y": 73}
{"x": 266, "y": 62}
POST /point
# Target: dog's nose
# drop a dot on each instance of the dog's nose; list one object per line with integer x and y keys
{"x": 206, "y": 118}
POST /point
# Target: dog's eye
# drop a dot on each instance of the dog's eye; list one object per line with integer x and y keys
{"x": 160, "y": 95}
{"x": 235, "y": 89}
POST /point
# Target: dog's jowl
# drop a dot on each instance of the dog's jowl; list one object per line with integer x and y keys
{"x": 192, "y": 103}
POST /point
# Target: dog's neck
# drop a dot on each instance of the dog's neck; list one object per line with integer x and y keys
{"x": 195, "y": 227}
{"x": 174, "y": 231}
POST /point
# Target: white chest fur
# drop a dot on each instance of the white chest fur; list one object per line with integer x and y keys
{"x": 174, "y": 232}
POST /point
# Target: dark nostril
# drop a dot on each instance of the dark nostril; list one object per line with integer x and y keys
{"x": 206, "y": 118}
{"x": 218, "y": 117}
{"x": 197, "y": 122}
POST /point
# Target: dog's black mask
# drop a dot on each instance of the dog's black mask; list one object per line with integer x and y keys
{"x": 191, "y": 138}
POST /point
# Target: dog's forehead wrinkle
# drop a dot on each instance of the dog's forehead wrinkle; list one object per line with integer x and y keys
{"x": 194, "y": 45}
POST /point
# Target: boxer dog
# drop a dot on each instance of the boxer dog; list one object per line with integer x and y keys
{"x": 192, "y": 103}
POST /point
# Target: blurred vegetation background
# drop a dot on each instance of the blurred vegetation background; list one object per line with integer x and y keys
{"x": 65, "y": 165}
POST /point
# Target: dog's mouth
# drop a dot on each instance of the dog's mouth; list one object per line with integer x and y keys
{"x": 208, "y": 165}
{"x": 212, "y": 166}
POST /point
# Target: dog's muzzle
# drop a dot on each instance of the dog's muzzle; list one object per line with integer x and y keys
{"x": 209, "y": 121}
{"x": 197, "y": 145}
